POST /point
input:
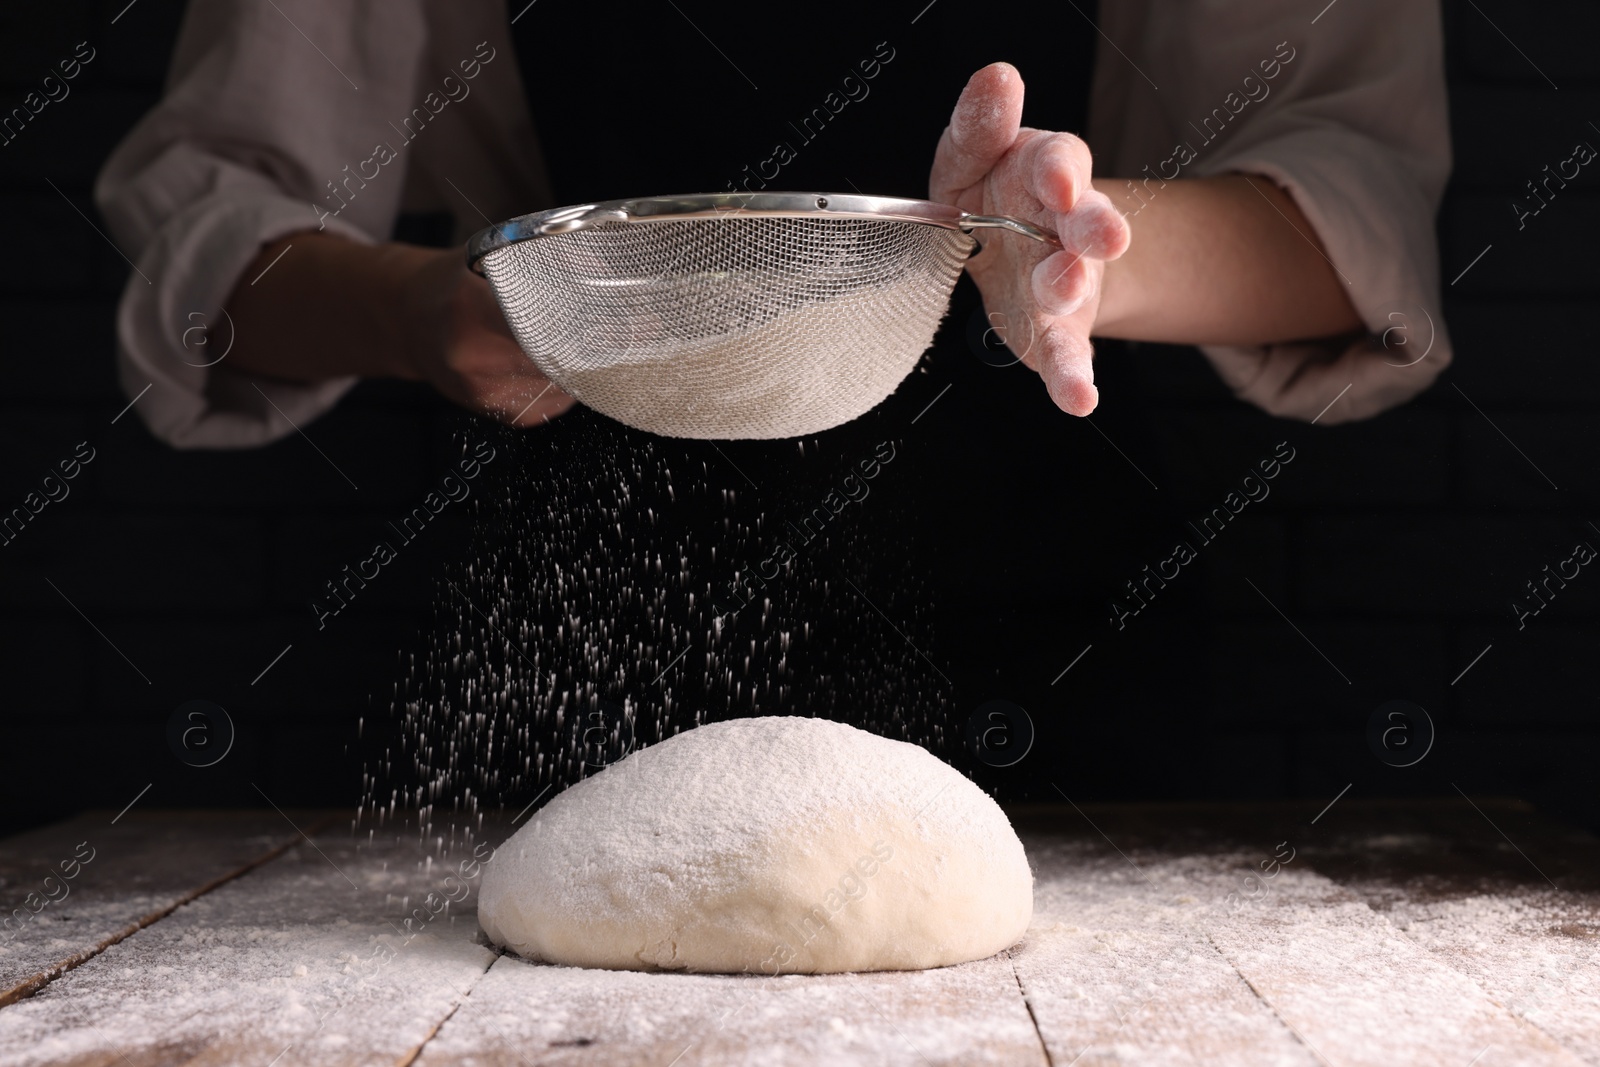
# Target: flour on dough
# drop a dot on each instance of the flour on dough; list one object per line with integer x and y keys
{"x": 769, "y": 845}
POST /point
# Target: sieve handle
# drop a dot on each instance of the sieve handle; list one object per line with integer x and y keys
{"x": 968, "y": 223}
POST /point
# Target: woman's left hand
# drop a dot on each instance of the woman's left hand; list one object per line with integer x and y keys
{"x": 1043, "y": 303}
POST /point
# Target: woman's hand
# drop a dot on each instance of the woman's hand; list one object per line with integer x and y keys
{"x": 1042, "y": 303}
{"x": 462, "y": 346}
{"x": 336, "y": 307}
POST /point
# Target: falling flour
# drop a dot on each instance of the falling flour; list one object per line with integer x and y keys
{"x": 587, "y": 609}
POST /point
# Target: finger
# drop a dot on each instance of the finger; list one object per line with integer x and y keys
{"x": 1062, "y": 283}
{"x": 1066, "y": 363}
{"x": 1094, "y": 228}
{"x": 544, "y": 406}
{"x": 983, "y": 125}
{"x": 484, "y": 308}
{"x": 1056, "y": 170}
{"x": 522, "y": 397}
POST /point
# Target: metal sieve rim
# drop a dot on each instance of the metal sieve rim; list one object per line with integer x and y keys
{"x": 647, "y": 209}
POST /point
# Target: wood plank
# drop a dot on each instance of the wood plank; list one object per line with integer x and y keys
{"x": 1117, "y": 970}
{"x": 1350, "y": 986}
{"x": 1481, "y": 903}
{"x": 1355, "y": 988}
{"x": 1401, "y": 933}
{"x": 124, "y": 875}
{"x": 522, "y": 1013}
{"x": 1536, "y": 954}
{"x": 302, "y": 960}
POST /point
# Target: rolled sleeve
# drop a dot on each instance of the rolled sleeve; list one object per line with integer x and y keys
{"x": 1356, "y": 130}
{"x": 256, "y": 120}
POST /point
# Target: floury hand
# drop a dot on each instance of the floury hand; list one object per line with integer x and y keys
{"x": 989, "y": 164}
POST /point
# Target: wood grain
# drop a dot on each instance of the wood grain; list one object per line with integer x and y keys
{"x": 1497, "y": 893}
{"x": 1359, "y": 991}
{"x": 523, "y": 1013}
{"x": 1351, "y": 986}
{"x": 143, "y": 865}
{"x": 1118, "y": 968}
{"x": 1448, "y": 933}
{"x": 303, "y": 960}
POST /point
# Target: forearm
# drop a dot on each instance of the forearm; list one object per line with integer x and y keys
{"x": 328, "y": 308}
{"x": 1225, "y": 260}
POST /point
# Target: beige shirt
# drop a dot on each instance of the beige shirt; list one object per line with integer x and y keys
{"x": 273, "y": 114}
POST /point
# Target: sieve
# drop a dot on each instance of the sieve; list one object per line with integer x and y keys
{"x": 731, "y": 315}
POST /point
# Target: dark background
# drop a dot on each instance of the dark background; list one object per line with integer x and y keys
{"x": 994, "y": 545}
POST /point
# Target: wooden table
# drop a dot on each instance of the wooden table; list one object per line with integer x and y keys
{"x": 1448, "y": 932}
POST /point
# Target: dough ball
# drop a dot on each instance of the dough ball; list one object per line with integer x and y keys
{"x": 771, "y": 845}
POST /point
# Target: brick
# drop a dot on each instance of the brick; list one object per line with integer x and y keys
{"x": 31, "y": 790}
{"x": 109, "y": 273}
{"x": 69, "y": 140}
{"x": 1253, "y": 546}
{"x": 34, "y": 37}
{"x": 1497, "y": 471}
{"x": 193, "y": 653}
{"x": 1519, "y": 352}
{"x": 1531, "y": 680}
{"x": 1170, "y": 373}
{"x": 1007, "y": 505}
{"x": 213, "y": 655}
{"x": 1552, "y": 769}
{"x": 1264, "y": 674}
{"x": 1130, "y": 696}
{"x": 47, "y": 681}
{"x": 111, "y": 563}
{"x": 138, "y": 49}
{"x": 313, "y": 551}
{"x": 382, "y": 452}
{"x": 1201, "y": 455}
{"x": 1405, "y": 565}
{"x": 60, "y": 259}
{"x": 34, "y": 442}
{"x": 132, "y": 752}
{"x": 62, "y": 350}
{"x": 1578, "y": 600}
{"x": 1553, "y": 38}
{"x": 1549, "y": 257}
{"x": 1236, "y": 765}
{"x": 311, "y": 768}
{"x": 336, "y": 675}
{"x": 1400, "y": 457}
{"x": 1325, "y": 761}
{"x": 1530, "y": 129}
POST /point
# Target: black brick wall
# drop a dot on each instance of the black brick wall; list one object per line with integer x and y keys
{"x": 1395, "y": 545}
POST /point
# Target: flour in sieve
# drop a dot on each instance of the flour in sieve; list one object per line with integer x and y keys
{"x": 758, "y": 383}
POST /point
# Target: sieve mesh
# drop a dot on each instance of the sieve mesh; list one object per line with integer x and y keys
{"x": 753, "y": 327}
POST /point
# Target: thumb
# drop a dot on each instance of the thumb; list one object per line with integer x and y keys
{"x": 1066, "y": 363}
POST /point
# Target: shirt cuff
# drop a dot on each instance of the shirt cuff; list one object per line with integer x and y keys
{"x": 173, "y": 335}
{"x": 1377, "y": 229}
